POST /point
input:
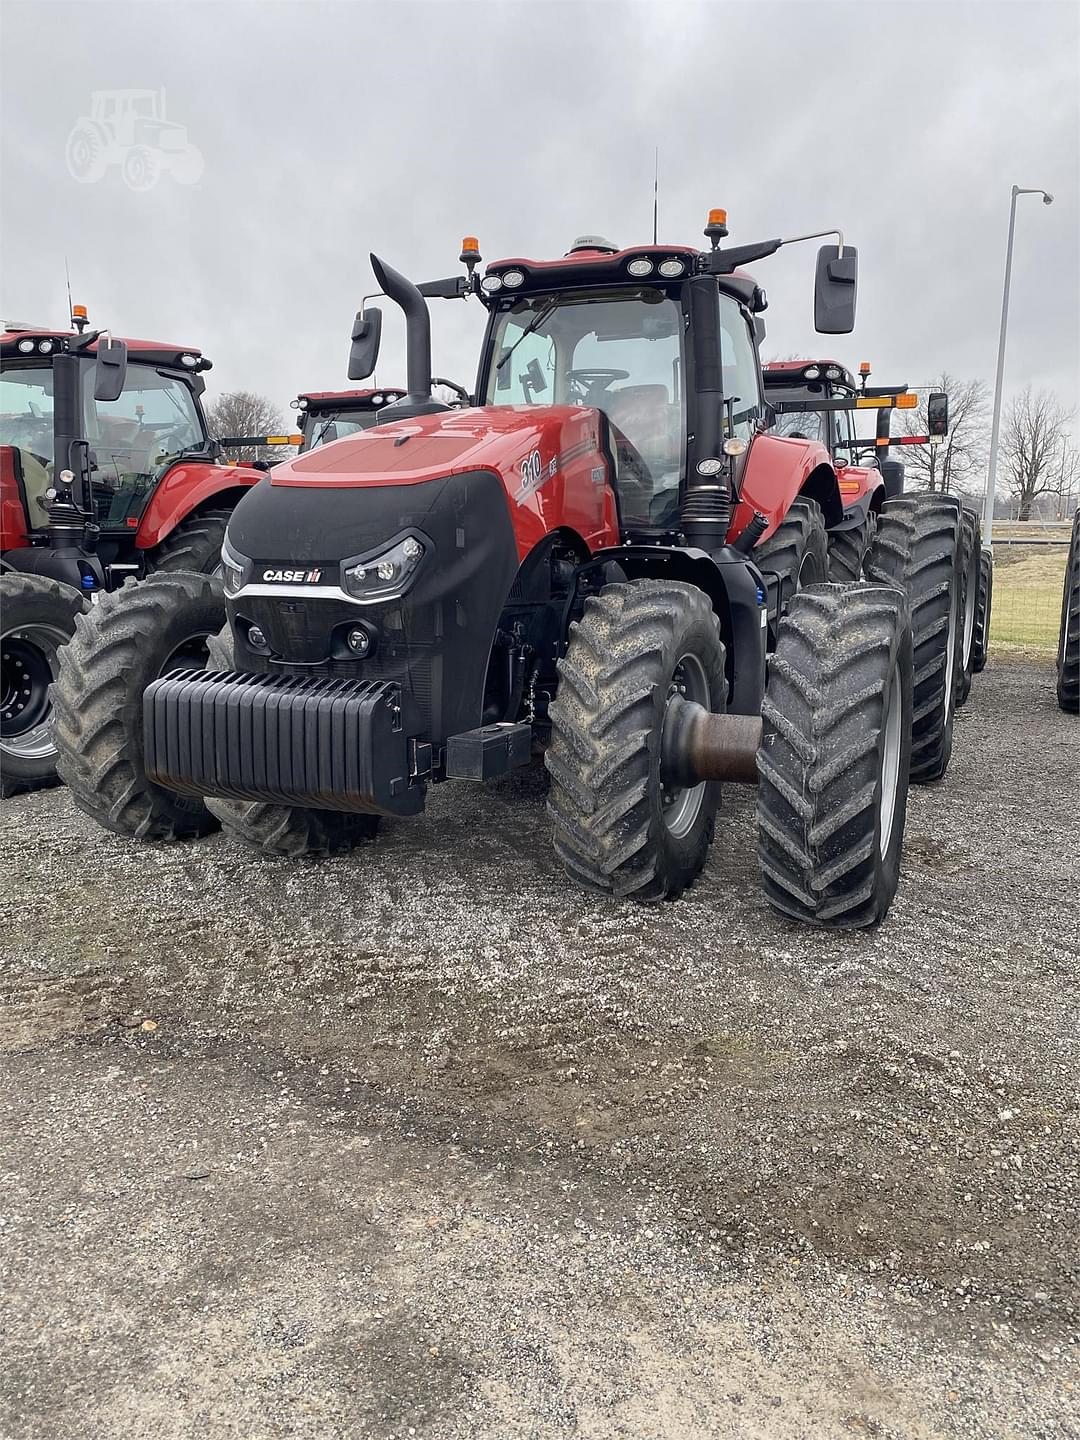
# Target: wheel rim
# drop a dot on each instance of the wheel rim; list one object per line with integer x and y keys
{"x": 971, "y": 605}
{"x": 809, "y": 570}
{"x": 28, "y": 663}
{"x": 890, "y": 764}
{"x": 950, "y": 649}
{"x": 681, "y": 804}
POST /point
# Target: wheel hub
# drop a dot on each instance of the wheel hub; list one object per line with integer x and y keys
{"x": 27, "y": 669}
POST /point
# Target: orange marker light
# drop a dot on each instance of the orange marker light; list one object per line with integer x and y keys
{"x": 470, "y": 243}
{"x": 717, "y": 217}
{"x": 864, "y": 367}
{"x": 78, "y": 312}
{"x": 907, "y": 402}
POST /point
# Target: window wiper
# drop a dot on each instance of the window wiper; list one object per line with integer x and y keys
{"x": 540, "y": 316}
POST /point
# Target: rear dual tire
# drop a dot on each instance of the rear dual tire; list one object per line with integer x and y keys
{"x": 1068, "y": 662}
{"x": 834, "y": 756}
{"x": 971, "y": 564}
{"x": 919, "y": 548}
{"x": 981, "y": 644}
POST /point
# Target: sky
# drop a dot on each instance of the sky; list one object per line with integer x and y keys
{"x": 329, "y": 130}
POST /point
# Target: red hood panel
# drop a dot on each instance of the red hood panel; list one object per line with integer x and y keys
{"x": 408, "y": 452}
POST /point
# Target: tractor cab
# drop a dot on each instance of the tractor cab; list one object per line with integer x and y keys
{"x": 106, "y": 451}
{"x": 634, "y": 334}
{"x": 327, "y": 415}
{"x": 796, "y": 380}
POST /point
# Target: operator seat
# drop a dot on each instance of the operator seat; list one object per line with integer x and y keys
{"x": 649, "y": 421}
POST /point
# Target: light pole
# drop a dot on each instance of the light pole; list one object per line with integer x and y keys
{"x": 991, "y": 478}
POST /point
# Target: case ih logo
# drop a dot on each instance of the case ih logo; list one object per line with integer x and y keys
{"x": 292, "y": 577}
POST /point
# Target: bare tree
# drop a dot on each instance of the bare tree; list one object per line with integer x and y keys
{"x": 242, "y": 412}
{"x": 1038, "y": 459}
{"x": 958, "y": 464}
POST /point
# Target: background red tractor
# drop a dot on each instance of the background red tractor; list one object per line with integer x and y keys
{"x": 596, "y": 557}
{"x": 820, "y": 398}
{"x": 107, "y": 471}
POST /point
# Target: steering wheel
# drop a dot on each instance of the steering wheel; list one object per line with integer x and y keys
{"x": 590, "y": 380}
{"x": 459, "y": 390}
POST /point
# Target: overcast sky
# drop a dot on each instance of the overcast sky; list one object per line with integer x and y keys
{"x": 332, "y": 129}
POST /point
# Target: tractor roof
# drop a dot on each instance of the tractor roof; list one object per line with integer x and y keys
{"x": 358, "y": 399}
{"x": 591, "y": 262}
{"x": 153, "y": 352}
{"x": 785, "y": 371}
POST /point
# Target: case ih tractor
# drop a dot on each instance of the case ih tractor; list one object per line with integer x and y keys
{"x": 819, "y": 398}
{"x": 327, "y": 415}
{"x": 597, "y": 558}
{"x": 106, "y": 472}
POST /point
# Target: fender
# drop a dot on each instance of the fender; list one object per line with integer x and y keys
{"x": 862, "y": 490}
{"x": 185, "y": 487}
{"x": 13, "y": 534}
{"x": 738, "y": 593}
{"x": 776, "y": 471}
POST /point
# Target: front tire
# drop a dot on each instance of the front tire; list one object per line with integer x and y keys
{"x": 617, "y": 827}
{"x": 1068, "y": 663}
{"x": 37, "y": 618}
{"x": 282, "y": 829}
{"x": 797, "y": 552}
{"x": 919, "y": 548}
{"x": 835, "y": 749}
{"x": 194, "y": 545}
{"x": 130, "y": 638}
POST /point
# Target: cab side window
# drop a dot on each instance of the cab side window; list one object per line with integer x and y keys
{"x": 842, "y": 427}
{"x": 742, "y": 374}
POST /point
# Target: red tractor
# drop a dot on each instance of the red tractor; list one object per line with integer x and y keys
{"x": 595, "y": 558}
{"x": 107, "y": 471}
{"x": 328, "y": 415}
{"x": 820, "y": 398}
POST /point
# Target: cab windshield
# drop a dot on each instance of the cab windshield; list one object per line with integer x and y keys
{"x": 619, "y": 351}
{"x": 808, "y": 425}
{"x": 321, "y": 428}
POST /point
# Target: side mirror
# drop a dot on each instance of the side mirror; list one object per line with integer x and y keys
{"x": 835, "y": 286}
{"x": 937, "y": 413}
{"x": 366, "y": 337}
{"x": 110, "y": 371}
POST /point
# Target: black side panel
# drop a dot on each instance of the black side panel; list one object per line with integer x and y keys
{"x": 435, "y": 640}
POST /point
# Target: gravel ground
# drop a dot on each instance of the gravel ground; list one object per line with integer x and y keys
{"x": 424, "y": 1141}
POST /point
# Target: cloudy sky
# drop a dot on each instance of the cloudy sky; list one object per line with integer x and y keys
{"x": 328, "y": 130}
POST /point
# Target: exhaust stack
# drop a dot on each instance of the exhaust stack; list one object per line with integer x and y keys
{"x": 403, "y": 292}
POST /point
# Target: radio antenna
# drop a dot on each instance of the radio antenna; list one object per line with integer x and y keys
{"x": 67, "y": 272}
{"x": 655, "y": 192}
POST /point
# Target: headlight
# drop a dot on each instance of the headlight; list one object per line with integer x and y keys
{"x": 641, "y": 266}
{"x": 812, "y": 372}
{"x": 386, "y": 574}
{"x": 671, "y": 269}
{"x": 233, "y": 568}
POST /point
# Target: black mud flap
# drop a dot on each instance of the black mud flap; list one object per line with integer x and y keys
{"x": 322, "y": 744}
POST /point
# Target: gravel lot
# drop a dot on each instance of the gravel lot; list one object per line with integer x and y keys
{"x": 424, "y": 1141}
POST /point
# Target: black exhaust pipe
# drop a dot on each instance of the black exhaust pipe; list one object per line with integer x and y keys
{"x": 403, "y": 292}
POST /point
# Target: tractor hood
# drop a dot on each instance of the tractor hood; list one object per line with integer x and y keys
{"x": 527, "y": 446}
